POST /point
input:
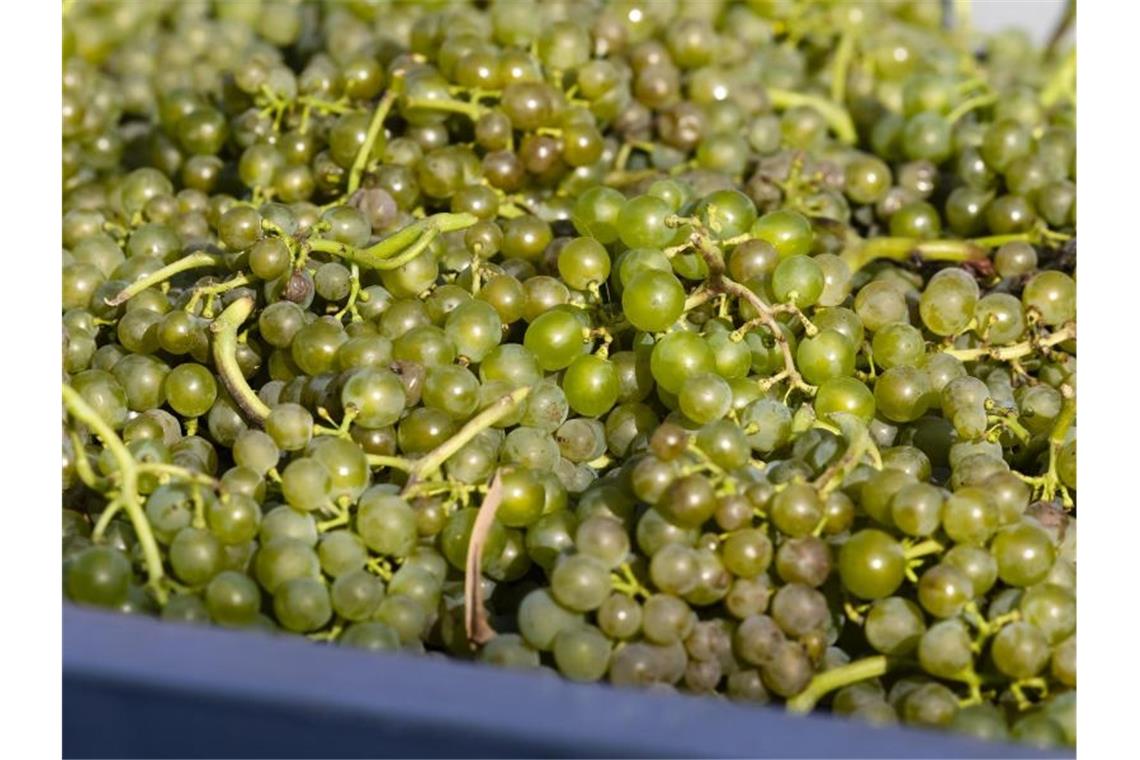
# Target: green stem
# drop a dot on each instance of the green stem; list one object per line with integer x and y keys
{"x": 397, "y": 463}
{"x": 858, "y": 443}
{"x": 176, "y": 471}
{"x": 430, "y": 463}
{"x": 1061, "y": 82}
{"x": 842, "y": 62}
{"x": 471, "y": 110}
{"x": 837, "y": 678}
{"x": 924, "y": 549}
{"x": 83, "y": 466}
{"x": 195, "y": 260}
{"x": 970, "y": 104}
{"x": 835, "y": 115}
{"x": 393, "y": 248}
{"x": 1005, "y": 353}
{"x": 900, "y": 249}
{"x": 128, "y": 494}
{"x": 374, "y": 129}
{"x": 225, "y": 329}
{"x": 997, "y": 241}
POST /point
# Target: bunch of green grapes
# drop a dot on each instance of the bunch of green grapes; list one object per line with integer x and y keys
{"x": 753, "y": 326}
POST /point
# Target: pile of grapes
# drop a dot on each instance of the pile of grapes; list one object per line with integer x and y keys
{"x": 720, "y": 347}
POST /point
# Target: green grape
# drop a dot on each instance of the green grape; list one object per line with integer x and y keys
{"x": 653, "y": 300}
{"x": 306, "y": 484}
{"x": 772, "y": 421}
{"x": 1020, "y": 650}
{"x": 98, "y": 576}
{"x": 541, "y": 619}
{"x": 897, "y": 344}
{"x": 356, "y": 595}
{"x": 386, "y": 523}
{"x": 451, "y": 389}
{"x": 523, "y": 498}
{"x": 871, "y": 564}
{"x": 596, "y": 213}
{"x": 591, "y": 385}
{"x": 341, "y": 552}
{"x": 302, "y": 605}
{"x": 195, "y": 556}
{"x": 930, "y": 704}
{"x": 580, "y": 583}
{"x": 666, "y": 619}
{"x": 641, "y": 223}
{"x": 798, "y": 280}
{"x": 290, "y": 426}
{"x": 190, "y": 389}
{"x": 902, "y": 394}
{"x": 234, "y": 518}
{"x": 948, "y": 302}
{"x": 233, "y": 599}
{"x": 1000, "y": 318}
{"x": 1024, "y": 554}
{"x": 827, "y": 355}
{"x": 879, "y": 303}
{"x": 726, "y": 213}
{"x": 968, "y": 517}
{"x": 1053, "y": 295}
{"x": 787, "y": 231}
{"x": 474, "y": 327}
{"x": 705, "y": 398}
{"x": 917, "y": 508}
{"x": 796, "y": 510}
{"x": 583, "y": 262}
{"x": 945, "y": 650}
{"x": 673, "y": 569}
{"x": 844, "y": 395}
{"x": 894, "y": 626}
{"x": 943, "y": 590}
{"x": 555, "y": 339}
{"x": 1051, "y": 609}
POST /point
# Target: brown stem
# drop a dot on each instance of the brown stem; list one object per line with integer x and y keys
{"x": 479, "y": 630}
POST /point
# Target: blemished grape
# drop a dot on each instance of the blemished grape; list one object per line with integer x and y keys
{"x": 721, "y": 348}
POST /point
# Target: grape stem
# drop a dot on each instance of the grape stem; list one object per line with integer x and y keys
{"x": 718, "y": 281}
{"x": 225, "y": 329}
{"x": 83, "y": 465}
{"x": 1068, "y": 331}
{"x": 195, "y": 260}
{"x": 924, "y": 549}
{"x": 479, "y": 630}
{"x": 401, "y": 246}
{"x": 1049, "y": 484}
{"x": 472, "y": 111}
{"x": 858, "y": 443}
{"x": 840, "y": 65}
{"x": 1061, "y": 82}
{"x": 374, "y": 128}
{"x": 834, "y": 114}
{"x": 430, "y": 463}
{"x": 971, "y": 104}
{"x": 396, "y": 463}
{"x": 128, "y": 496}
{"x": 863, "y": 252}
{"x": 837, "y": 678}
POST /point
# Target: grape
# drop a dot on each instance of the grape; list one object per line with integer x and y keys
{"x": 652, "y": 300}
{"x": 871, "y": 564}
{"x": 775, "y": 386}
{"x": 541, "y": 619}
{"x": 582, "y": 654}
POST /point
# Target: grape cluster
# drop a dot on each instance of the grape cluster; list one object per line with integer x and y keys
{"x": 720, "y": 347}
